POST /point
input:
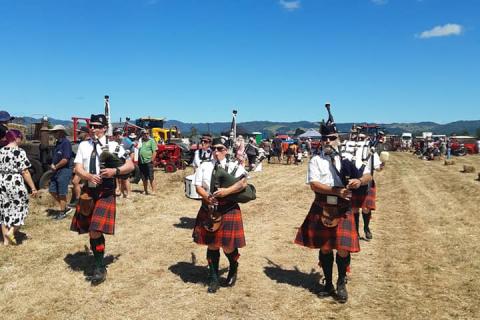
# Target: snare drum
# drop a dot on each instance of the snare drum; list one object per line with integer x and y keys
{"x": 190, "y": 191}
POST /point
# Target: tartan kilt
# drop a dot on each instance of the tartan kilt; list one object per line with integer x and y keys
{"x": 229, "y": 235}
{"x": 313, "y": 234}
{"x": 103, "y": 217}
{"x": 365, "y": 201}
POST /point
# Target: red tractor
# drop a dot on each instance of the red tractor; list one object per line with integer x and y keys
{"x": 171, "y": 157}
{"x": 463, "y": 145}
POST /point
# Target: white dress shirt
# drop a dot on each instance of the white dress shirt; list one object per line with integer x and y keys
{"x": 200, "y": 156}
{"x": 361, "y": 150}
{"x": 85, "y": 151}
{"x": 320, "y": 169}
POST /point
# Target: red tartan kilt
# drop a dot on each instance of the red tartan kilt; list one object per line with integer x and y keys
{"x": 313, "y": 234}
{"x": 365, "y": 201}
{"x": 230, "y": 234}
{"x": 102, "y": 219}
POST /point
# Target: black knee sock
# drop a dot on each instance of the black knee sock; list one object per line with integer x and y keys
{"x": 98, "y": 248}
{"x": 342, "y": 263}
{"x": 366, "y": 219}
{"x": 213, "y": 258}
{"x": 326, "y": 262}
{"x": 357, "y": 220}
{"x": 233, "y": 257}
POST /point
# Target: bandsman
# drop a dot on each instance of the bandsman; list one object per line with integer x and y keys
{"x": 330, "y": 224}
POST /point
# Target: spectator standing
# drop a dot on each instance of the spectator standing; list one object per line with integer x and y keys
{"x": 123, "y": 183}
{"x": 251, "y": 150}
{"x": 308, "y": 144}
{"x": 129, "y": 146}
{"x": 62, "y": 170}
{"x": 83, "y": 135}
{"x": 449, "y": 148}
{"x": 4, "y": 119}
{"x": 240, "y": 150}
{"x": 13, "y": 193}
{"x": 147, "y": 148}
{"x": 443, "y": 148}
{"x": 267, "y": 146}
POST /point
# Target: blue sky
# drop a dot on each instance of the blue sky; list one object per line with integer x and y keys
{"x": 195, "y": 60}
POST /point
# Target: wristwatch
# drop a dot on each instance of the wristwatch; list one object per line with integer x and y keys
{"x": 117, "y": 171}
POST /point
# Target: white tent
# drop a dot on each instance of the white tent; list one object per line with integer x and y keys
{"x": 311, "y": 133}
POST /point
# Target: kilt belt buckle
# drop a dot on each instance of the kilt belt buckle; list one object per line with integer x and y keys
{"x": 333, "y": 200}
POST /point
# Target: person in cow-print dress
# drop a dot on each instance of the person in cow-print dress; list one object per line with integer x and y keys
{"x": 13, "y": 193}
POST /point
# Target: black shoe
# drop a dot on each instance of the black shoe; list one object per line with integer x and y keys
{"x": 232, "y": 275}
{"x": 368, "y": 234}
{"x": 64, "y": 214}
{"x": 99, "y": 276}
{"x": 213, "y": 284}
{"x": 342, "y": 294}
{"x": 327, "y": 290}
{"x": 73, "y": 204}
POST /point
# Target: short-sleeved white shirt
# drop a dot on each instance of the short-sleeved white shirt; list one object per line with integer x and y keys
{"x": 203, "y": 175}
{"x": 201, "y": 154}
{"x": 85, "y": 151}
{"x": 320, "y": 169}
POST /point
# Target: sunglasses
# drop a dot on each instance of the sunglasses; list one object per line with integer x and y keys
{"x": 205, "y": 141}
{"x": 95, "y": 126}
{"x": 329, "y": 138}
{"x": 219, "y": 149}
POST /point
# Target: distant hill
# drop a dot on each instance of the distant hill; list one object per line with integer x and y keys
{"x": 28, "y": 120}
{"x": 270, "y": 127}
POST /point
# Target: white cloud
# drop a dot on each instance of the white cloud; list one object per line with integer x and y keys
{"x": 450, "y": 29}
{"x": 290, "y": 5}
{"x": 379, "y": 2}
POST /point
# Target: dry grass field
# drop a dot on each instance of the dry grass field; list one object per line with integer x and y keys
{"x": 423, "y": 262}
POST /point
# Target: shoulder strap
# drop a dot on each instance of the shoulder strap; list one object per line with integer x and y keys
{"x": 213, "y": 180}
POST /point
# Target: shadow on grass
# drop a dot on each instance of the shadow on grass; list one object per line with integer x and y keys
{"x": 189, "y": 272}
{"x": 295, "y": 277}
{"x": 185, "y": 223}
{"x": 84, "y": 261}
{"x": 19, "y": 236}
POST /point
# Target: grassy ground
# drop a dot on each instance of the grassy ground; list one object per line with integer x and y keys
{"x": 422, "y": 263}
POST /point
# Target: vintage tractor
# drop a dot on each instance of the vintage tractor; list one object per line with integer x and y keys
{"x": 463, "y": 145}
{"x": 171, "y": 157}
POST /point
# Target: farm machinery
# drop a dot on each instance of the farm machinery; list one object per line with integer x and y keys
{"x": 38, "y": 146}
{"x": 172, "y": 153}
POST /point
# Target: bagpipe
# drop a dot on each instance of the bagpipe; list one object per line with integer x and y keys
{"x": 109, "y": 159}
{"x": 221, "y": 178}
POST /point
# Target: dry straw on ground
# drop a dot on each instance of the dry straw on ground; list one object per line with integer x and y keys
{"x": 423, "y": 262}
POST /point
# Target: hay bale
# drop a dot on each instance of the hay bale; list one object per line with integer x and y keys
{"x": 449, "y": 162}
{"x": 468, "y": 169}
